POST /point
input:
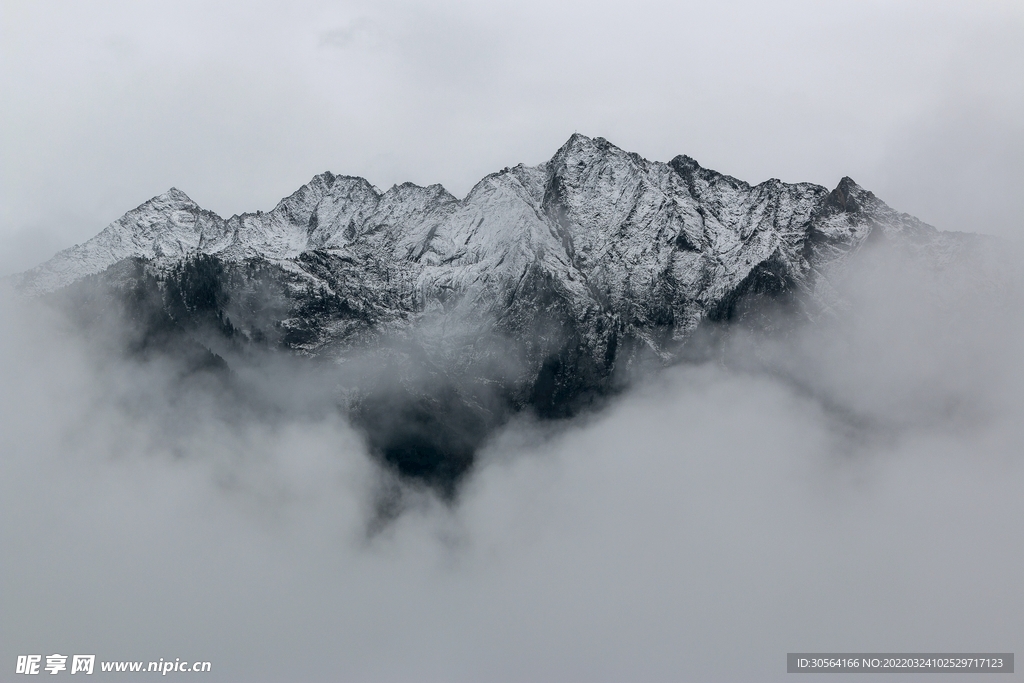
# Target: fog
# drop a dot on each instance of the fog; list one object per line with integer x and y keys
{"x": 847, "y": 485}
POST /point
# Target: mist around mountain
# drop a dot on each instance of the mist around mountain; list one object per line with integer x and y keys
{"x": 430, "y": 322}
{"x": 842, "y": 482}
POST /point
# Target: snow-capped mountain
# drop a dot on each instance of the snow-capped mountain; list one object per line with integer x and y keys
{"x": 649, "y": 243}
{"x": 538, "y": 287}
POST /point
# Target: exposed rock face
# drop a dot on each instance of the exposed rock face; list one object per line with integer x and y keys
{"x": 535, "y": 290}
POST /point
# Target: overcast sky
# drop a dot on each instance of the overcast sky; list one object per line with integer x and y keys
{"x": 105, "y": 104}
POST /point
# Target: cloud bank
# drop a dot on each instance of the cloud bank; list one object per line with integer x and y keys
{"x": 850, "y": 485}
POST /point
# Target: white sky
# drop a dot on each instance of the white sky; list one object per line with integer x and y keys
{"x": 105, "y": 104}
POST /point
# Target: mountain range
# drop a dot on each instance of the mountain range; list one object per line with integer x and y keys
{"x": 539, "y": 291}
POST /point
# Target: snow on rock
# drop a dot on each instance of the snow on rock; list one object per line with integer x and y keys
{"x": 597, "y": 233}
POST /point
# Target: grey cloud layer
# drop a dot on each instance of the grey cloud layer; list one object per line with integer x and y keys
{"x": 854, "y": 486}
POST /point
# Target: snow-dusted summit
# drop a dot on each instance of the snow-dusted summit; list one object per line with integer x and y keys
{"x": 650, "y": 242}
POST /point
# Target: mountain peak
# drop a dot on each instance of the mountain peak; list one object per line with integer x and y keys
{"x": 578, "y": 142}
{"x": 848, "y": 185}
{"x": 174, "y": 195}
{"x": 171, "y": 200}
{"x": 848, "y": 197}
{"x": 685, "y": 164}
{"x": 581, "y": 151}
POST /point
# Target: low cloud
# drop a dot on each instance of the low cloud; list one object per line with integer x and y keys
{"x": 850, "y": 485}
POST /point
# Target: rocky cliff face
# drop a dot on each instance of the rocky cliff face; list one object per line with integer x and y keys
{"x": 536, "y": 291}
